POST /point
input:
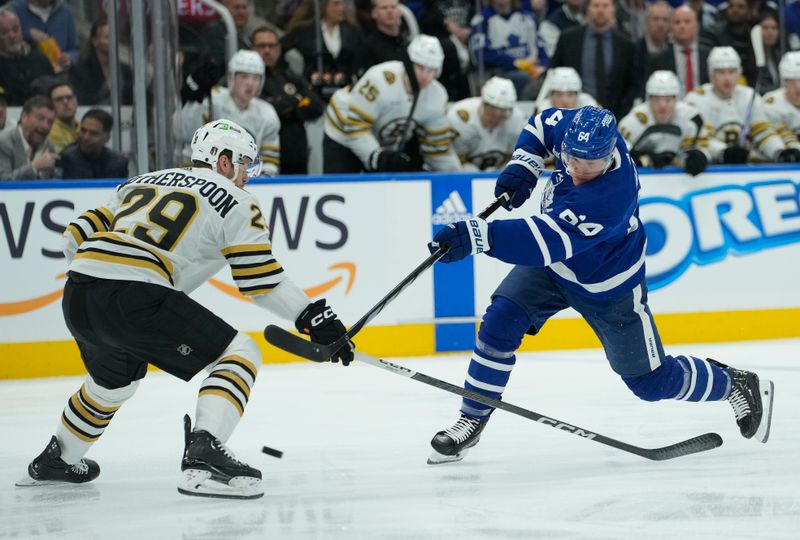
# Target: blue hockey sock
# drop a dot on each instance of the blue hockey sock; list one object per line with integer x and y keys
{"x": 704, "y": 381}
{"x": 488, "y": 374}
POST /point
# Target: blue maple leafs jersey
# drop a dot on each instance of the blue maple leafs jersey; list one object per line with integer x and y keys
{"x": 589, "y": 237}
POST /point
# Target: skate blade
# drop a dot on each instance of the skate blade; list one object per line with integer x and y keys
{"x": 767, "y": 390}
{"x": 27, "y": 481}
{"x": 437, "y": 459}
{"x": 198, "y": 483}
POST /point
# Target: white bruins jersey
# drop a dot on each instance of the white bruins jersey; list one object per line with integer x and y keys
{"x": 685, "y": 130}
{"x": 477, "y": 146}
{"x": 259, "y": 119}
{"x": 371, "y": 115}
{"x": 176, "y": 228}
{"x": 727, "y": 118}
{"x": 784, "y": 116}
{"x": 584, "y": 100}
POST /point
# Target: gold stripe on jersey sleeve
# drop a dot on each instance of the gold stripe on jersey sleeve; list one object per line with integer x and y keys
{"x": 77, "y": 233}
{"x": 364, "y": 116}
{"x": 255, "y": 270}
{"x": 246, "y": 250}
{"x": 758, "y": 127}
{"x": 429, "y": 142}
{"x": 352, "y": 133}
{"x": 106, "y": 212}
{"x": 96, "y": 223}
{"x": 260, "y": 289}
{"x": 223, "y": 393}
{"x": 434, "y": 132}
{"x": 164, "y": 265}
{"x": 344, "y": 120}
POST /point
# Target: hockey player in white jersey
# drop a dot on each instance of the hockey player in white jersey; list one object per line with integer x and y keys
{"x": 585, "y": 250}
{"x": 663, "y": 131}
{"x": 366, "y": 125}
{"x": 724, "y": 104}
{"x": 783, "y": 104}
{"x": 239, "y": 103}
{"x": 563, "y": 88}
{"x": 486, "y": 127}
{"x": 132, "y": 263}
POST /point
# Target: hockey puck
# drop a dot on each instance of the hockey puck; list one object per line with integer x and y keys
{"x": 272, "y": 452}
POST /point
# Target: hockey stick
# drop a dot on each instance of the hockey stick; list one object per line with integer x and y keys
{"x": 694, "y": 445}
{"x": 316, "y": 352}
{"x": 761, "y": 60}
{"x": 412, "y": 80}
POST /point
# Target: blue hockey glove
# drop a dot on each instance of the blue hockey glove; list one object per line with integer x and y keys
{"x": 518, "y": 182}
{"x": 463, "y": 238}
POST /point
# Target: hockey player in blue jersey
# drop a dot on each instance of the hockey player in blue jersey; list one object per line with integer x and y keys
{"x": 586, "y": 250}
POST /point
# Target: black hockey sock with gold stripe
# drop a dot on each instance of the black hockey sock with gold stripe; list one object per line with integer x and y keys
{"x": 224, "y": 393}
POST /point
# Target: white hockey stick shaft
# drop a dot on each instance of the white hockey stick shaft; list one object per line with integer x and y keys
{"x": 757, "y": 42}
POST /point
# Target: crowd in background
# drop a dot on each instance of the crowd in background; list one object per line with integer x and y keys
{"x": 288, "y": 71}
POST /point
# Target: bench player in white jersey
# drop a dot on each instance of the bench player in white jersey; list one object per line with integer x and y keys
{"x": 585, "y": 250}
{"x": 132, "y": 263}
{"x": 366, "y": 123}
{"x": 487, "y": 127}
{"x": 724, "y": 104}
{"x": 563, "y": 88}
{"x": 783, "y": 104}
{"x": 664, "y": 131}
{"x": 239, "y": 103}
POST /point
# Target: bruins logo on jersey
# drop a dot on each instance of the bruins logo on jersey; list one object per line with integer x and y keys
{"x": 463, "y": 115}
{"x": 699, "y": 90}
{"x": 641, "y": 117}
{"x": 390, "y": 77}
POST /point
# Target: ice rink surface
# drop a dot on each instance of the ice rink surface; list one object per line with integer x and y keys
{"x": 356, "y": 441}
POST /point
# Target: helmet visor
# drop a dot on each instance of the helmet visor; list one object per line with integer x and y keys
{"x": 253, "y": 168}
{"x": 584, "y": 168}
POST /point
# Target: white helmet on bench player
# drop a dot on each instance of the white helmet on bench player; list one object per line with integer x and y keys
{"x": 723, "y": 58}
{"x": 499, "y": 92}
{"x": 426, "y": 51}
{"x": 663, "y": 83}
{"x": 245, "y": 61}
{"x": 789, "y": 67}
{"x": 564, "y": 79}
{"x": 212, "y": 139}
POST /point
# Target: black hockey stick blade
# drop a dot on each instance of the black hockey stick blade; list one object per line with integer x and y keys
{"x": 322, "y": 353}
{"x": 292, "y": 343}
{"x": 694, "y": 445}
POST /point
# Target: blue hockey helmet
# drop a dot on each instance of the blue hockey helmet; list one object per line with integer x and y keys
{"x": 592, "y": 135}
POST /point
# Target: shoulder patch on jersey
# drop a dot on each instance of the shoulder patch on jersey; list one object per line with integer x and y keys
{"x": 771, "y": 99}
{"x": 700, "y": 90}
{"x": 390, "y": 77}
{"x": 463, "y": 115}
{"x": 641, "y": 117}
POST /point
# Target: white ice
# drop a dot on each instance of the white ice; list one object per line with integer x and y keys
{"x": 356, "y": 441}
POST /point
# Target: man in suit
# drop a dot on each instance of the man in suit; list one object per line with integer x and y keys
{"x": 88, "y": 156}
{"x": 687, "y": 55}
{"x": 25, "y": 152}
{"x": 603, "y": 56}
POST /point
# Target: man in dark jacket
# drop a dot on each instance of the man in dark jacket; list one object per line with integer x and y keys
{"x": 293, "y": 99}
{"x": 20, "y": 64}
{"x": 89, "y": 157}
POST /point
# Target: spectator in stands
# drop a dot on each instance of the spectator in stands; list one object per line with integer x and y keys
{"x": 329, "y": 50}
{"x": 603, "y": 56}
{"x": 770, "y": 78}
{"x": 733, "y": 30}
{"x": 707, "y": 14}
{"x": 783, "y": 105}
{"x": 792, "y": 19}
{"x": 90, "y": 76}
{"x": 20, "y": 64}
{"x": 3, "y": 111}
{"x": 504, "y": 39}
{"x": 65, "y": 127}
{"x": 658, "y": 16}
{"x": 293, "y": 99}
{"x": 25, "y": 152}
{"x": 244, "y": 20}
{"x": 687, "y": 54}
{"x": 386, "y": 41}
{"x": 239, "y": 102}
{"x": 88, "y": 156}
{"x": 50, "y": 25}
{"x": 568, "y": 15}
{"x": 562, "y": 88}
{"x": 631, "y": 15}
{"x": 449, "y": 21}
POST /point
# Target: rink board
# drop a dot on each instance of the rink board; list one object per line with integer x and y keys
{"x": 723, "y": 256}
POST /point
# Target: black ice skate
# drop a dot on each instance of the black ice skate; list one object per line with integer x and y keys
{"x": 453, "y": 443}
{"x": 751, "y": 399}
{"x": 211, "y": 470}
{"x": 49, "y": 469}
